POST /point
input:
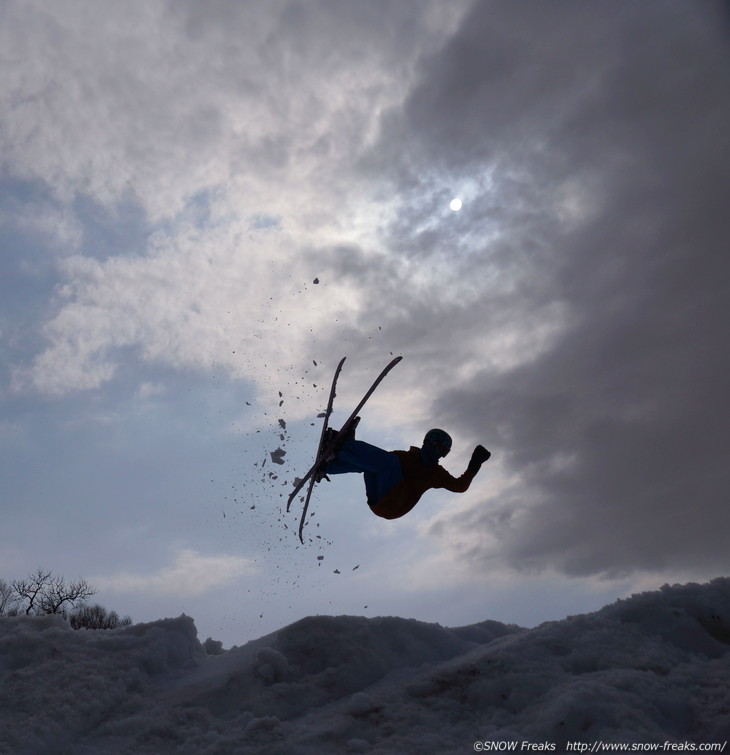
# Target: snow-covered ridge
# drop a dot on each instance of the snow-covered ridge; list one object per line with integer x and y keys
{"x": 652, "y": 668}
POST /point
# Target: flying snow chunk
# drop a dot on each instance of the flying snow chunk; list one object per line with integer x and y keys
{"x": 455, "y": 204}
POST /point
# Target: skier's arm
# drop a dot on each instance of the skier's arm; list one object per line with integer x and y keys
{"x": 461, "y": 484}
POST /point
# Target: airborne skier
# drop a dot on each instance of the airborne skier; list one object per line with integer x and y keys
{"x": 328, "y": 440}
{"x": 396, "y": 480}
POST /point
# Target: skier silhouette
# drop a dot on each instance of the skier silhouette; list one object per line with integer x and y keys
{"x": 396, "y": 480}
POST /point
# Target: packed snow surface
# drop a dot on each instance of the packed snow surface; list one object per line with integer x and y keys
{"x": 654, "y": 668}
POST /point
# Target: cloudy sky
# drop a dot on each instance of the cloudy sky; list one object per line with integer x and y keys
{"x": 174, "y": 177}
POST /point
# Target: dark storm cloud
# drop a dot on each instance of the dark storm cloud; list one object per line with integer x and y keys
{"x": 605, "y": 133}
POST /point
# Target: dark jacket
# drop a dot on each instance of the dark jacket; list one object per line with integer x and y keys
{"x": 417, "y": 479}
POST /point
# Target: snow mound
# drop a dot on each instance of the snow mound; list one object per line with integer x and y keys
{"x": 649, "y": 669}
{"x": 58, "y": 684}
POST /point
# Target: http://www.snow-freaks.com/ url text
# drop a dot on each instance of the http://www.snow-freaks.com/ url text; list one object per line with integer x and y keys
{"x": 598, "y": 746}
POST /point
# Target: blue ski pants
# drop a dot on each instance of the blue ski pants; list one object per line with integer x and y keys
{"x": 381, "y": 469}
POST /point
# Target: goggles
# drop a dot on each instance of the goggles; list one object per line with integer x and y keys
{"x": 443, "y": 449}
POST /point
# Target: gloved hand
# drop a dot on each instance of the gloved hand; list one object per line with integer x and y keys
{"x": 478, "y": 458}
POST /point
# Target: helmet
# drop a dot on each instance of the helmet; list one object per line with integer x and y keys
{"x": 438, "y": 442}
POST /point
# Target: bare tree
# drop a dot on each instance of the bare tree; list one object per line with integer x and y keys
{"x": 97, "y": 617}
{"x": 29, "y": 589}
{"x": 61, "y": 593}
{"x": 44, "y": 592}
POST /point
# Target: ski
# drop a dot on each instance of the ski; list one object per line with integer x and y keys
{"x": 310, "y": 474}
{"x": 323, "y": 453}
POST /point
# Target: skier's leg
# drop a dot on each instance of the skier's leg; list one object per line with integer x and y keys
{"x": 377, "y": 485}
{"x": 358, "y": 456}
{"x": 381, "y": 469}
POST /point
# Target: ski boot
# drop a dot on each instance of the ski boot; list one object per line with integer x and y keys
{"x": 331, "y": 437}
{"x": 321, "y": 473}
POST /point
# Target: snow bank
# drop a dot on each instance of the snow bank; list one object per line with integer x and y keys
{"x": 57, "y": 685}
{"x": 650, "y": 669}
